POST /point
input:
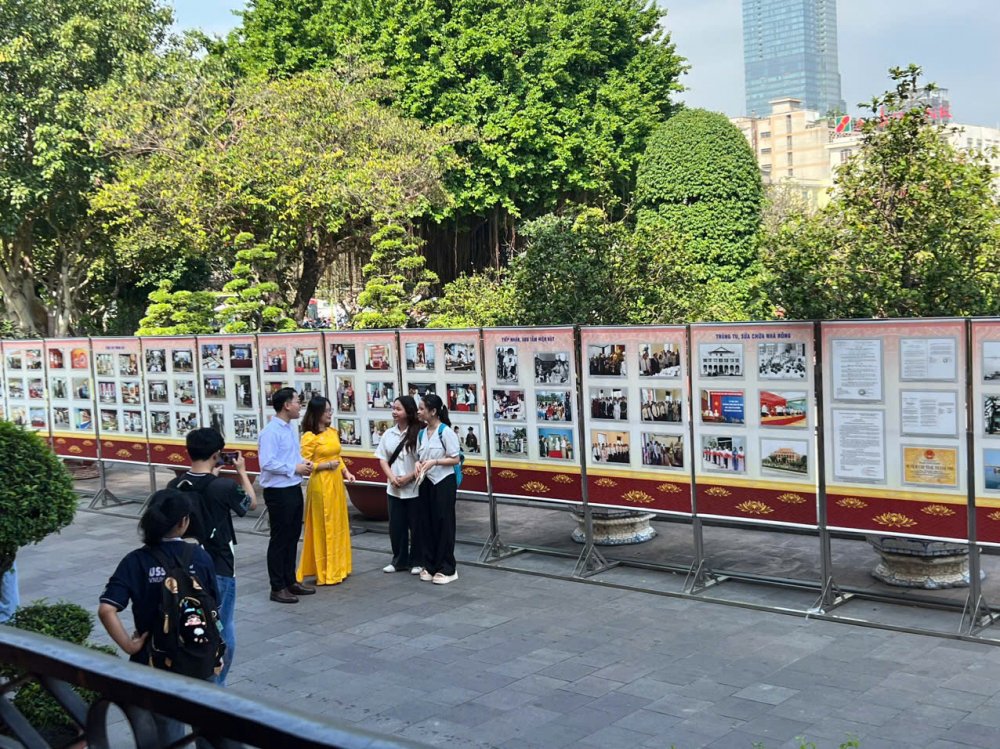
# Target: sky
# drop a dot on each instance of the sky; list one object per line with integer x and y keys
{"x": 955, "y": 41}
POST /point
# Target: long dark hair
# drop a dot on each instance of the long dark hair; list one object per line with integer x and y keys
{"x": 166, "y": 509}
{"x": 433, "y": 402}
{"x": 314, "y": 414}
{"x": 412, "y": 422}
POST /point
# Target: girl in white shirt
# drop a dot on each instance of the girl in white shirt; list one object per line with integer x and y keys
{"x": 396, "y": 452}
{"x": 437, "y": 455}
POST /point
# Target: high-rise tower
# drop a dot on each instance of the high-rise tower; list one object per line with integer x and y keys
{"x": 790, "y": 49}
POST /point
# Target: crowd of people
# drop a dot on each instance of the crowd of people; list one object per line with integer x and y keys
{"x": 653, "y": 364}
{"x": 613, "y": 452}
{"x": 725, "y": 457}
{"x": 607, "y": 363}
{"x": 609, "y": 406}
{"x": 655, "y": 453}
{"x": 185, "y": 573}
{"x": 662, "y": 409}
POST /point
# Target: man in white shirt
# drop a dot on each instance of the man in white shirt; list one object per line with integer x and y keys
{"x": 281, "y": 472}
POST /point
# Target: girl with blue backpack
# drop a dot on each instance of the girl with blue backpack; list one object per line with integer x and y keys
{"x": 439, "y": 466}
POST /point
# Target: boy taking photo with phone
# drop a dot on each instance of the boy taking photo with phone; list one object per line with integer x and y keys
{"x": 212, "y": 520}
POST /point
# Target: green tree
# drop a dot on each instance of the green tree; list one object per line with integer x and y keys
{"x": 396, "y": 279}
{"x": 913, "y": 227}
{"x": 484, "y": 299}
{"x": 700, "y": 178}
{"x": 52, "y": 53}
{"x": 301, "y": 165}
{"x": 563, "y": 93}
{"x": 253, "y": 304}
{"x": 179, "y": 312}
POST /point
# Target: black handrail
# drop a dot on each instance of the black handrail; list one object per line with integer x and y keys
{"x": 220, "y": 715}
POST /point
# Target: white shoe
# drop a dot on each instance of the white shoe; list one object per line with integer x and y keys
{"x": 416, "y": 570}
{"x": 440, "y": 579}
{"x": 425, "y": 576}
{"x": 388, "y": 568}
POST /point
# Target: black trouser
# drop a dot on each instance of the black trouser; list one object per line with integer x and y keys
{"x": 404, "y": 531}
{"x": 437, "y": 537}
{"x": 284, "y": 506}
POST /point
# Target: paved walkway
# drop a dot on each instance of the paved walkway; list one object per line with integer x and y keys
{"x": 502, "y": 659}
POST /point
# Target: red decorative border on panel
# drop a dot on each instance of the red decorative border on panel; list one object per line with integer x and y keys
{"x": 79, "y": 446}
{"x": 893, "y": 517}
{"x": 548, "y": 485}
{"x": 668, "y": 494}
{"x": 794, "y": 504}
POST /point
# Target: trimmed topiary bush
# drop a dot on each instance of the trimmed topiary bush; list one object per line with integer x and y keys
{"x": 36, "y": 494}
{"x": 699, "y": 178}
{"x": 64, "y": 621}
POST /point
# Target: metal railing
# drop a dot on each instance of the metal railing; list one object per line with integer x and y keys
{"x": 217, "y": 717}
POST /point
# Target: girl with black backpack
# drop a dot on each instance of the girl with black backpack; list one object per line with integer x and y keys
{"x": 171, "y": 581}
{"x": 439, "y": 457}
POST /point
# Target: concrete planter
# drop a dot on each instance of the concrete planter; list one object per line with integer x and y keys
{"x": 918, "y": 563}
{"x": 616, "y": 527}
{"x": 370, "y": 501}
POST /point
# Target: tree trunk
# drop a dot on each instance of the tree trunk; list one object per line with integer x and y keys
{"x": 308, "y": 281}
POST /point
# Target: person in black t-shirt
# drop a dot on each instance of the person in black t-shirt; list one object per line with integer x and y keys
{"x": 212, "y": 521}
{"x": 139, "y": 579}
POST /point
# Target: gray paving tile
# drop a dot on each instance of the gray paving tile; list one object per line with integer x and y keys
{"x": 679, "y": 705}
{"x": 679, "y": 739}
{"x": 592, "y": 686}
{"x": 867, "y": 713}
{"x": 614, "y": 737}
{"x": 647, "y": 721}
{"x": 767, "y": 693}
{"x": 736, "y": 707}
{"x": 973, "y": 734}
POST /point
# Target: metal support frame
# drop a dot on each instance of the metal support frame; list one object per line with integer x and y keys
{"x": 495, "y": 548}
{"x": 591, "y": 561}
{"x": 830, "y": 595}
{"x": 700, "y": 576}
{"x": 104, "y": 496}
{"x": 976, "y": 614}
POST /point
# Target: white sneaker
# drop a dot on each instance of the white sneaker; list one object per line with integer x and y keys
{"x": 388, "y": 568}
{"x": 440, "y": 579}
{"x": 425, "y": 576}
{"x": 416, "y": 570}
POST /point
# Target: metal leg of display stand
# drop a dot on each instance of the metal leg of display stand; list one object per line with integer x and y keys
{"x": 495, "y": 549}
{"x": 591, "y": 561}
{"x": 152, "y": 489}
{"x": 104, "y": 496}
{"x": 700, "y": 577}
{"x": 261, "y": 521}
{"x": 976, "y": 615}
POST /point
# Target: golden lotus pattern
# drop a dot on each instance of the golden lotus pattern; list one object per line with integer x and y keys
{"x": 938, "y": 511}
{"x": 638, "y": 497}
{"x": 136, "y": 446}
{"x": 252, "y": 454}
{"x": 606, "y": 482}
{"x": 88, "y": 443}
{"x": 123, "y": 453}
{"x": 109, "y": 443}
{"x": 791, "y": 498}
{"x": 470, "y": 471}
{"x": 535, "y": 487}
{"x": 994, "y": 515}
{"x": 894, "y": 520}
{"x": 159, "y": 448}
{"x": 505, "y": 474}
{"x": 562, "y": 478}
{"x": 718, "y": 491}
{"x": 175, "y": 458}
{"x": 368, "y": 473}
{"x": 74, "y": 449}
{"x": 852, "y": 502}
{"x": 669, "y": 488}
{"x": 347, "y": 461}
{"x": 753, "y": 507}
{"x": 60, "y": 441}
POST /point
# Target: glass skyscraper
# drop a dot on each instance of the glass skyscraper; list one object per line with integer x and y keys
{"x": 790, "y": 49}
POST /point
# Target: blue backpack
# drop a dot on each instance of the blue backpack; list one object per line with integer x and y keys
{"x": 461, "y": 455}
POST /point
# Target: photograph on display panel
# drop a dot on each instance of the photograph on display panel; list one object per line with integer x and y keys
{"x": 507, "y": 365}
{"x": 463, "y": 397}
{"x": 721, "y": 360}
{"x": 33, "y": 359}
{"x": 662, "y": 450}
{"x": 378, "y": 357}
{"x": 723, "y": 454}
{"x": 508, "y": 405}
{"x": 554, "y": 405}
{"x": 610, "y": 447}
{"x": 659, "y": 360}
{"x": 991, "y": 415}
{"x": 783, "y": 408}
{"x": 275, "y": 360}
{"x": 241, "y": 355}
{"x": 555, "y": 444}
{"x": 991, "y": 361}
{"x": 345, "y": 395}
{"x": 990, "y": 467}
{"x": 665, "y": 406}
{"x": 609, "y": 403}
{"x": 606, "y": 360}
{"x": 182, "y": 360}
{"x": 380, "y": 394}
{"x": 781, "y": 361}
{"x": 306, "y": 360}
{"x": 784, "y": 456}
{"x": 418, "y": 390}
{"x": 723, "y": 407}
{"x": 212, "y": 357}
{"x": 377, "y": 428}
{"x": 553, "y": 368}
{"x": 419, "y": 357}
{"x": 343, "y": 356}
{"x": 469, "y": 438}
{"x": 156, "y": 360}
{"x": 350, "y": 434}
{"x": 460, "y": 357}
{"x": 510, "y": 441}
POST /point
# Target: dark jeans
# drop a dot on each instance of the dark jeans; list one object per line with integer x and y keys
{"x": 437, "y": 538}
{"x": 284, "y": 506}
{"x": 404, "y": 531}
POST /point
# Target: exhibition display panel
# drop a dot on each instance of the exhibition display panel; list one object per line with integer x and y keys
{"x": 447, "y": 363}
{"x": 172, "y": 392}
{"x": 636, "y": 418}
{"x": 894, "y": 395}
{"x": 986, "y": 428}
{"x": 230, "y": 394}
{"x": 71, "y": 398}
{"x": 363, "y": 381}
{"x": 530, "y": 372}
{"x": 754, "y": 444}
{"x": 24, "y": 372}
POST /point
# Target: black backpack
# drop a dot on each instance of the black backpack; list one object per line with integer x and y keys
{"x": 187, "y": 638}
{"x": 203, "y": 524}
